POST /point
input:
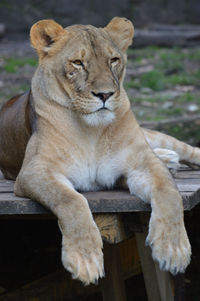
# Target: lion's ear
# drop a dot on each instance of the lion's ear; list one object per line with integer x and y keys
{"x": 44, "y": 35}
{"x": 121, "y": 31}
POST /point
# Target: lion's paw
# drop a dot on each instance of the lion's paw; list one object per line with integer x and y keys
{"x": 169, "y": 157}
{"x": 84, "y": 258}
{"x": 170, "y": 245}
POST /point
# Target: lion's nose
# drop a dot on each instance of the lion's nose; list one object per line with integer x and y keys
{"x": 103, "y": 96}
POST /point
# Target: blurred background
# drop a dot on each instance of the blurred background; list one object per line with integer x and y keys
{"x": 162, "y": 81}
{"x": 163, "y": 72}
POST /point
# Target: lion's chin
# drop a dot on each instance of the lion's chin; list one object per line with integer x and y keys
{"x": 99, "y": 118}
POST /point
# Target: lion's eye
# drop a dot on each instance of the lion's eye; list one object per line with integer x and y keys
{"x": 78, "y": 63}
{"x": 114, "y": 60}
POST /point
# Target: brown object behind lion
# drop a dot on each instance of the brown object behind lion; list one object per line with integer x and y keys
{"x": 16, "y": 125}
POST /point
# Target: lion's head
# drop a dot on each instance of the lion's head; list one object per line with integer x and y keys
{"x": 82, "y": 67}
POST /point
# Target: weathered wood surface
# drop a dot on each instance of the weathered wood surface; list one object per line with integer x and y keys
{"x": 157, "y": 282}
{"x": 111, "y": 227}
{"x": 188, "y": 182}
{"x": 113, "y": 286}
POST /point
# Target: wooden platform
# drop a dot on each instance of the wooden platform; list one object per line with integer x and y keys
{"x": 187, "y": 180}
{"x": 112, "y": 210}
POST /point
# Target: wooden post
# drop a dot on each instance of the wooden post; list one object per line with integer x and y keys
{"x": 157, "y": 283}
{"x": 179, "y": 286}
{"x": 112, "y": 286}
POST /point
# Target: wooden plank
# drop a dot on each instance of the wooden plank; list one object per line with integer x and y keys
{"x": 122, "y": 201}
{"x": 188, "y": 188}
{"x": 185, "y": 178}
{"x": 6, "y": 182}
{"x": 191, "y": 200}
{"x": 188, "y": 181}
{"x": 10, "y": 204}
{"x": 10, "y": 196}
{"x": 99, "y": 202}
{"x": 115, "y": 201}
{"x": 183, "y": 185}
{"x": 6, "y": 188}
{"x": 103, "y": 201}
{"x": 3, "y": 180}
{"x": 9, "y": 186}
{"x": 187, "y": 174}
{"x": 180, "y": 176}
{"x": 112, "y": 286}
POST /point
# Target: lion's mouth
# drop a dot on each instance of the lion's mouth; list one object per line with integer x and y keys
{"x": 103, "y": 109}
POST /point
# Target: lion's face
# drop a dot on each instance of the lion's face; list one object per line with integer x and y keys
{"x": 81, "y": 67}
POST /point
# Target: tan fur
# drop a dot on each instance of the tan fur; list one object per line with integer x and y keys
{"x": 79, "y": 145}
{"x": 186, "y": 153}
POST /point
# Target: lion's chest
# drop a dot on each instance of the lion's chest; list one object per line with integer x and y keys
{"x": 96, "y": 173}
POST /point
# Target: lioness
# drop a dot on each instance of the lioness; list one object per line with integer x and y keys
{"x": 75, "y": 132}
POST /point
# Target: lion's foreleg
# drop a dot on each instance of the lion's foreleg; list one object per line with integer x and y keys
{"x": 151, "y": 181}
{"x": 81, "y": 242}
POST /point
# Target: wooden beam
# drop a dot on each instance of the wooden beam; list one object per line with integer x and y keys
{"x": 179, "y": 286}
{"x": 112, "y": 286}
{"x": 111, "y": 227}
{"x": 157, "y": 283}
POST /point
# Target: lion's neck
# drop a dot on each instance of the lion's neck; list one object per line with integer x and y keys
{"x": 51, "y": 114}
{"x": 62, "y": 120}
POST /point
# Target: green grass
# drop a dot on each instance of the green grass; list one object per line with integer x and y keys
{"x": 151, "y": 99}
{"x": 13, "y": 64}
{"x": 182, "y": 79}
{"x": 134, "y": 83}
{"x": 194, "y": 54}
{"x": 169, "y": 67}
{"x": 147, "y": 52}
{"x": 158, "y": 81}
{"x": 171, "y": 59}
{"x": 14, "y": 89}
{"x": 24, "y": 87}
{"x": 170, "y": 112}
{"x": 158, "y": 114}
{"x": 187, "y": 98}
{"x": 154, "y": 80}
